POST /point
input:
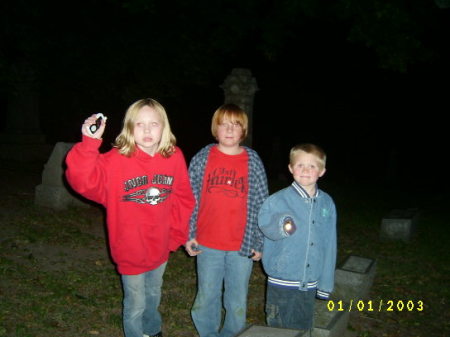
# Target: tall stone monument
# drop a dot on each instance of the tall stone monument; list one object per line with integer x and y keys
{"x": 22, "y": 139}
{"x": 239, "y": 88}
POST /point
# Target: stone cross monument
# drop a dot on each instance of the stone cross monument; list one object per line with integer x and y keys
{"x": 22, "y": 139}
{"x": 22, "y": 116}
{"x": 239, "y": 88}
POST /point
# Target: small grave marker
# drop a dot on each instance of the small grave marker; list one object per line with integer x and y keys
{"x": 354, "y": 278}
{"x": 53, "y": 192}
{"x": 400, "y": 224}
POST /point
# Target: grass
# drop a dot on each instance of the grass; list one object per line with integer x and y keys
{"x": 56, "y": 277}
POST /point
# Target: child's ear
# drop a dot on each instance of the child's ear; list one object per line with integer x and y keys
{"x": 323, "y": 172}
{"x": 290, "y": 169}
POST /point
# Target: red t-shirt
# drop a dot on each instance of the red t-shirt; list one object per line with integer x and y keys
{"x": 223, "y": 203}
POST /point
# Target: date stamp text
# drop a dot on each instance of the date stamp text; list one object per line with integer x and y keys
{"x": 378, "y": 305}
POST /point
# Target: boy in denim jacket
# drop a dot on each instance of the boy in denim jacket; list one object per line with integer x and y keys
{"x": 299, "y": 226}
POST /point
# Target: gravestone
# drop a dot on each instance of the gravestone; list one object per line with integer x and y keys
{"x": 53, "y": 191}
{"x": 353, "y": 279}
{"x": 329, "y": 323}
{"x": 400, "y": 224}
{"x": 264, "y": 331}
{"x": 442, "y": 3}
{"x": 21, "y": 139}
{"x": 239, "y": 88}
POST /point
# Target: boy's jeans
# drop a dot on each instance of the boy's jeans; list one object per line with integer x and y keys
{"x": 142, "y": 296}
{"x": 290, "y": 308}
{"x": 215, "y": 269}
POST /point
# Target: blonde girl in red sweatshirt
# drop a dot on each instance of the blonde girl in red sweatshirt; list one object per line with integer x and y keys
{"x": 144, "y": 185}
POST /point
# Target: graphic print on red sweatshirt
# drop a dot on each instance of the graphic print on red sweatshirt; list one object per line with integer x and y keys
{"x": 152, "y": 195}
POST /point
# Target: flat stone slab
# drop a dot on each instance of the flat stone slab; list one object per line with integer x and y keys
{"x": 400, "y": 224}
{"x": 264, "y": 331}
{"x": 357, "y": 264}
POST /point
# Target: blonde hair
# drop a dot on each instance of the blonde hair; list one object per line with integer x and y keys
{"x": 311, "y": 149}
{"x": 234, "y": 114}
{"x": 125, "y": 141}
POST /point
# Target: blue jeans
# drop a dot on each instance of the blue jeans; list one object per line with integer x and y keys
{"x": 219, "y": 270}
{"x": 142, "y": 296}
{"x": 290, "y": 308}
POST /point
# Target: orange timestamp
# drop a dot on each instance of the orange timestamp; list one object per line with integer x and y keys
{"x": 378, "y": 305}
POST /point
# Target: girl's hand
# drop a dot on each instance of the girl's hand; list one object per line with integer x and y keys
{"x": 192, "y": 247}
{"x": 85, "y": 128}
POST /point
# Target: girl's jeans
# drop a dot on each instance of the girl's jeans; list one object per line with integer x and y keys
{"x": 217, "y": 270}
{"x": 290, "y": 308}
{"x": 142, "y": 296}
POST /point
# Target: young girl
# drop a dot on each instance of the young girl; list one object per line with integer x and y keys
{"x": 230, "y": 184}
{"x": 144, "y": 185}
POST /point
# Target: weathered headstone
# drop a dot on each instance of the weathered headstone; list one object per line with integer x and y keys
{"x": 264, "y": 331}
{"x": 53, "y": 191}
{"x": 442, "y": 3}
{"x": 239, "y": 88}
{"x": 354, "y": 278}
{"x": 22, "y": 139}
{"x": 400, "y": 224}
{"x": 329, "y": 323}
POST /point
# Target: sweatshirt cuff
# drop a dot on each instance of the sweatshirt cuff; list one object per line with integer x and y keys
{"x": 91, "y": 142}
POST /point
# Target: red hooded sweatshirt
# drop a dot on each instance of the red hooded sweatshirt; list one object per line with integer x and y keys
{"x": 148, "y": 201}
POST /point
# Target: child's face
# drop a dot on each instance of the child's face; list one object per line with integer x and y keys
{"x": 229, "y": 133}
{"x": 306, "y": 169}
{"x": 148, "y": 127}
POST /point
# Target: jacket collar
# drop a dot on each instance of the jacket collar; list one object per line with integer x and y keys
{"x": 302, "y": 191}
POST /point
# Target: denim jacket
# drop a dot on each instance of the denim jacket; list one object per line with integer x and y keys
{"x": 306, "y": 258}
{"x": 257, "y": 193}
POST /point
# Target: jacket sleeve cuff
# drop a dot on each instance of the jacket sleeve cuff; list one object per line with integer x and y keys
{"x": 322, "y": 295}
{"x": 259, "y": 247}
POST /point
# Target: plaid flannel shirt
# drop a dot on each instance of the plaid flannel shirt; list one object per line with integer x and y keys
{"x": 257, "y": 193}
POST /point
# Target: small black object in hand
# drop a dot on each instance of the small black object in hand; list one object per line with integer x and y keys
{"x": 94, "y": 127}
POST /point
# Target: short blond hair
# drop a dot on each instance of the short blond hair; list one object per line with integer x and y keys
{"x": 234, "y": 114}
{"x": 125, "y": 141}
{"x": 311, "y": 149}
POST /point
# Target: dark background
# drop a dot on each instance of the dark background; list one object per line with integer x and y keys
{"x": 368, "y": 80}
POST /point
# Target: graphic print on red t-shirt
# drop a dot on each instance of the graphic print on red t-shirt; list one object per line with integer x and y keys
{"x": 223, "y": 207}
{"x": 225, "y": 181}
